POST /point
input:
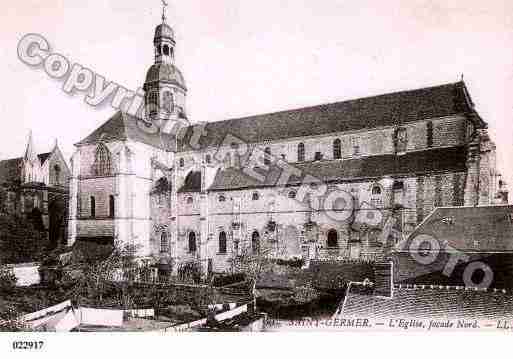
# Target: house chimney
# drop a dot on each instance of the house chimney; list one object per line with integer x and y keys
{"x": 384, "y": 279}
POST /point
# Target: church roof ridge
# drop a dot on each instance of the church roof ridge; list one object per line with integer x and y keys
{"x": 390, "y": 109}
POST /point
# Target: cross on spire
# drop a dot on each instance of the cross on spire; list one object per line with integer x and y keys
{"x": 164, "y": 6}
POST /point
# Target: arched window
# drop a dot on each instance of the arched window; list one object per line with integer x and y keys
{"x": 164, "y": 243}
{"x": 376, "y": 196}
{"x": 222, "y": 198}
{"x": 355, "y": 142}
{"x": 208, "y": 159}
{"x": 57, "y": 174}
{"x": 255, "y": 196}
{"x": 153, "y": 102}
{"x": 182, "y": 163}
{"x": 301, "y": 152}
{"x": 166, "y": 50}
{"x": 292, "y": 194}
{"x": 192, "y": 242}
{"x": 111, "y": 206}
{"x": 222, "y": 242}
{"x": 255, "y": 242}
{"x": 401, "y": 140}
{"x": 167, "y": 101}
{"x": 332, "y": 238}
{"x": 102, "y": 161}
{"x": 337, "y": 149}
{"x": 159, "y": 51}
{"x": 190, "y": 200}
{"x": 92, "y": 202}
{"x": 267, "y": 156}
{"x": 429, "y": 134}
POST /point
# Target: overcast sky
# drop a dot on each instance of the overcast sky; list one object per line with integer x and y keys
{"x": 248, "y": 57}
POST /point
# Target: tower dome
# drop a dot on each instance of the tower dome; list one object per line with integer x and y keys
{"x": 165, "y": 73}
{"x": 164, "y": 31}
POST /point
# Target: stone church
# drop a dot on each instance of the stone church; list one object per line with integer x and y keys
{"x": 210, "y": 192}
{"x": 36, "y": 187}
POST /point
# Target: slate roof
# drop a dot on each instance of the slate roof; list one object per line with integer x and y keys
{"x": 423, "y": 302}
{"x": 123, "y": 126}
{"x": 192, "y": 183}
{"x": 434, "y": 160}
{"x": 483, "y": 228}
{"x": 371, "y": 112}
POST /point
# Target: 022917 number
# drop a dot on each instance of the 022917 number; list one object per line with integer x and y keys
{"x": 26, "y": 345}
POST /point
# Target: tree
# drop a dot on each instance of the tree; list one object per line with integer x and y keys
{"x": 20, "y": 240}
{"x": 9, "y": 315}
{"x": 254, "y": 263}
{"x": 92, "y": 276}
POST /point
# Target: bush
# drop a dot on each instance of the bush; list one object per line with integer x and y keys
{"x": 7, "y": 280}
{"x": 222, "y": 280}
{"x": 294, "y": 263}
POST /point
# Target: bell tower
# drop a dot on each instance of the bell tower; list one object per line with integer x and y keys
{"x": 165, "y": 89}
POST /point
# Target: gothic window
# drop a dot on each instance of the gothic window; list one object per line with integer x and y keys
{"x": 93, "y": 206}
{"x": 332, "y": 241}
{"x": 182, "y": 163}
{"x": 255, "y": 242}
{"x": 167, "y": 100}
{"x": 102, "y": 162}
{"x": 192, "y": 242}
{"x": 111, "y": 206}
{"x": 255, "y": 196}
{"x": 222, "y": 242}
{"x": 337, "y": 149}
{"x": 164, "y": 243}
{"x": 301, "y": 152}
{"x": 429, "y": 131}
{"x": 267, "y": 156}
{"x": 57, "y": 174}
{"x": 401, "y": 140}
{"x": 166, "y": 50}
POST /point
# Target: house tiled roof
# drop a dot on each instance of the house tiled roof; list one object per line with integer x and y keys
{"x": 434, "y": 160}
{"x": 428, "y": 302}
{"x": 123, "y": 126}
{"x": 10, "y": 170}
{"x": 371, "y": 112}
{"x": 483, "y": 228}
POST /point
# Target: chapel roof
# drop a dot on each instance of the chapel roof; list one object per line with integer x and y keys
{"x": 123, "y": 126}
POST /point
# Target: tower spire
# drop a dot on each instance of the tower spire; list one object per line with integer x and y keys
{"x": 164, "y": 6}
{"x": 30, "y": 153}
